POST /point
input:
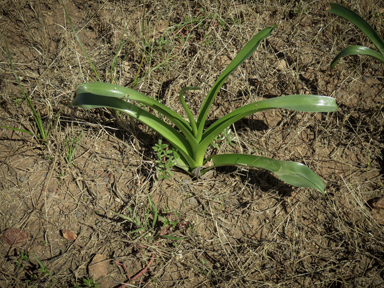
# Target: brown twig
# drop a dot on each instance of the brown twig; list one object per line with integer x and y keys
{"x": 125, "y": 268}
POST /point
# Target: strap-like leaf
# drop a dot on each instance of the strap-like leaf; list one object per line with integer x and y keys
{"x": 360, "y": 23}
{"x": 192, "y": 120}
{"x": 357, "y": 50}
{"x": 244, "y": 53}
{"x": 305, "y": 103}
{"x": 89, "y": 101}
{"x": 116, "y": 91}
{"x": 292, "y": 173}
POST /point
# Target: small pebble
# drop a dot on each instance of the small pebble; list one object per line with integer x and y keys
{"x": 119, "y": 171}
{"x": 23, "y": 179}
{"x": 192, "y": 201}
{"x": 106, "y": 180}
{"x": 14, "y": 236}
{"x": 282, "y": 65}
{"x": 78, "y": 214}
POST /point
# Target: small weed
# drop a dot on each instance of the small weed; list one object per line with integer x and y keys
{"x": 91, "y": 283}
{"x": 23, "y": 257}
{"x": 146, "y": 227}
{"x": 225, "y": 137}
{"x": 166, "y": 159}
{"x": 162, "y": 43}
{"x": 17, "y": 101}
{"x": 151, "y": 231}
{"x": 62, "y": 175}
{"x": 43, "y": 131}
{"x": 301, "y": 10}
{"x": 71, "y": 146}
{"x": 36, "y": 274}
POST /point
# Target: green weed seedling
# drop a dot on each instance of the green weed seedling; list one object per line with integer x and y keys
{"x": 17, "y": 101}
{"x": 146, "y": 228}
{"x": 225, "y": 137}
{"x": 43, "y": 131}
{"x": 71, "y": 146}
{"x": 23, "y": 257}
{"x": 36, "y": 275}
{"x": 190, "y": 138}
{"x": 165, "y": 159}
{"x": 153, "y": 232}
{"x": 143, "y": 228}
{"x": 365, "y": 28}
{"x": 301, "y": 9}
{"x": 91, "y": 283}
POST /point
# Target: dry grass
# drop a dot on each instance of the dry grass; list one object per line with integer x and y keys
{"x": 242, "y": 228}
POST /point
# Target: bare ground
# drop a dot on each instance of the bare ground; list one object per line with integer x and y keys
{"x": 240, "y": 228}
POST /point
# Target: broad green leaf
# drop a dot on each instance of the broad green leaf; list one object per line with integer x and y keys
{"x": 192, "y": 120}
{"x": 87, "y": 100}
{"x": 244, "y": 53}
{"x": 360, "y": 23}
{"x": 357, "y": 50}
{"x": 305, "y": 103}
{"x": 292, "y": 173}
{"x": 116, "y": 91}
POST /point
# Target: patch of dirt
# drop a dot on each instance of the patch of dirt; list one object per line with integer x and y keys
{"x": 239, "y": 228}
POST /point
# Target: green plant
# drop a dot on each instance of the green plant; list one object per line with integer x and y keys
{"x": 365, "y": 28}
{"x": 23, "y": 257}
{"x": 226, "y": 137}
{"x": 43, "y": 132}
{"x": 191, "y": 140}
{"x": 62, "y": 175}
{"x": 17, "y": 101}
{"x": 35, "y": 275}
{"x": 152, "y": 232}
{"x": 91, "y": 283}
{"x": 147, "y": 225}
{"x": 71, "y": 146}
{"x": 166, "y": 159}
{"x": 301, "y": 9}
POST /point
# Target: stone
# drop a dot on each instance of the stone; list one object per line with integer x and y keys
{"x": 98, "y": 267}
{"x": 14, "y": 236}
{"x": 69, "y": 235}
